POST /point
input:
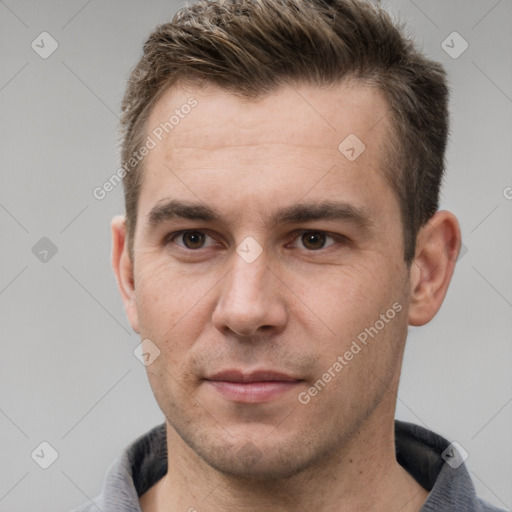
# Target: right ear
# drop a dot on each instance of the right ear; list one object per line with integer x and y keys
{"x": 123, "y": 270}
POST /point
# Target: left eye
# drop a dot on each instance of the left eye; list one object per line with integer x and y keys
{"x": 315, "y": 240}
{"x": 191, "y": 239}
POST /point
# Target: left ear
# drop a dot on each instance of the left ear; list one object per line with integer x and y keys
{"x": 437, "y": 249}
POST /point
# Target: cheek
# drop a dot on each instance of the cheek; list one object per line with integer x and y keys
{"x": 170, "y": 304}
{"x": 362, "y": 360}
{"x": 349, "y": 298}
{"x": 350, "y": 304}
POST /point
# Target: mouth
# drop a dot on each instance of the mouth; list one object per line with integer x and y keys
{"x": 252, "y": 387}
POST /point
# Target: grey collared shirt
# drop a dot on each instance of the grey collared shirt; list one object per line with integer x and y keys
{"x": 418, "y": 450}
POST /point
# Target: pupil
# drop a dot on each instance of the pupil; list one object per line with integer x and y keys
{"x": 193, "y": 240}
{"x": 313, "y": 240}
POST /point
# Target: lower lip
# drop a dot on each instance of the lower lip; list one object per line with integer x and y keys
{"x": 253, "y": 392}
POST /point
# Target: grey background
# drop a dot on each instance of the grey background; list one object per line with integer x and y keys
{"x": 67, "y": 372}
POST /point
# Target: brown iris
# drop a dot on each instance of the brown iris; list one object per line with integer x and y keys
{"x": 193, "y": 239}
{"x": 313, "y": 240}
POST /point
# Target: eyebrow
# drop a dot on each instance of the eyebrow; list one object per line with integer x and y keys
{"x": 294, "y": 214}
{"x": 180, "y": 209}
{"x": 325, "y": 210}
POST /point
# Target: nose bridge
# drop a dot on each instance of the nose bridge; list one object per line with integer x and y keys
{"x": 249, "y": 298}
{"x": 248, "y": 281}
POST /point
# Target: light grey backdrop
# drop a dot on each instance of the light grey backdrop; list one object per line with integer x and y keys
{"x": 67, "y": 372}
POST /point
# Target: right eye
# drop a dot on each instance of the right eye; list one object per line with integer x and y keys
{"x": 190, "y": 240}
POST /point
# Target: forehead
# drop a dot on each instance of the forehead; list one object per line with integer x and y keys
{"x": 295, "y": 115}
{"x": 211, "y": 144}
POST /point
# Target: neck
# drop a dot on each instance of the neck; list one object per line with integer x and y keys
{"x": 363, "y": 475}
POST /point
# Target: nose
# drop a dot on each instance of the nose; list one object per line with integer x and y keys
{"x": 251, "y": 300}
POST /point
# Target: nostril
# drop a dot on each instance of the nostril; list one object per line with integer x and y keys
{"x": 242, "y": 332}
{"x": 246, "y": 333}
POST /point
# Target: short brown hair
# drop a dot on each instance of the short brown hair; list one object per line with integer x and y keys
{"x": 251, "y": 47}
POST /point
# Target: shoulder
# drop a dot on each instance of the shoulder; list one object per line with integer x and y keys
{"x": 139, "y": 467}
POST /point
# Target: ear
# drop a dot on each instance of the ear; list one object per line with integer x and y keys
{"x": 437, "y": 249}
{"x": 123, "y": 270}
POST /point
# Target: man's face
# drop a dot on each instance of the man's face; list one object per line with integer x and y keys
{"x": 262, "y": 254}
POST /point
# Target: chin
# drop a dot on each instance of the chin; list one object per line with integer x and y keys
{"x": 257, "y": 466}
{"x": 259, "y": 460}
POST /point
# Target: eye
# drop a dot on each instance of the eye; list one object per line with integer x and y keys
{"x": 315, "y": 240}
{"x": 191, "y": 240}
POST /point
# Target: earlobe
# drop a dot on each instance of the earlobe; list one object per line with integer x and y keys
{"x": 437, "y": 249}
{"x": 122, "y": 266}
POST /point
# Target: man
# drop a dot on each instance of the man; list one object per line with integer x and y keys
{"x": 282, "y": 164}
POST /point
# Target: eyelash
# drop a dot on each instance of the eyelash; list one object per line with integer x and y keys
{"x": 335, "y": 237}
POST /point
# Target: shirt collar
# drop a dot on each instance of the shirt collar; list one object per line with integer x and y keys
{"x": 418, "y": 450}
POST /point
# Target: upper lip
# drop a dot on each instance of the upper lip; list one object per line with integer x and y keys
{"x": 254, "y": 376}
